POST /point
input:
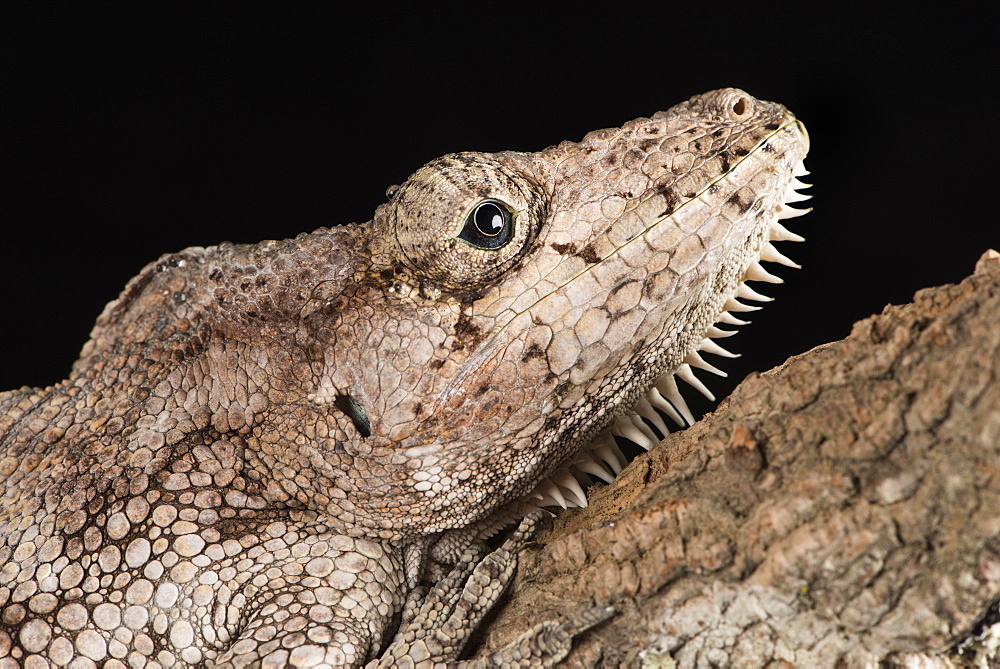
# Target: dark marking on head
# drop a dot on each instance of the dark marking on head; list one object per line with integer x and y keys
{"x": 739, "y": 201}
{"x": 670, "y": 201}
{"x": 463, "y": 159}
{"x": 561, "y": 390}
{"x": 564, "y": 249}
{"x": 724, "y": 161}
{"x": 467, "y": 298}
{"x": 533, "y": 351}
{"x": 589, "y": 255}
{"x": 740, "y": 151}
{"x": 454, "y": 177}
{"x": 649, "y": 289}
{"x": 766, "y": 147}
{"x": 648, "y": 145}
{"x": 773, "y": 125}
{"x": 621, "y": 284}
{"x": 468, "y": 334}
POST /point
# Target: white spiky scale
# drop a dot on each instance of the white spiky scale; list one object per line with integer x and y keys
{"x": 643, "y": 427}
{"x": 567, "y": 482}
{"x": 709, "y": 346}
{"x": 771, "y": 254}
{"x": 536, "y": 500}
{"x": 756, "y": 272}
{"x": 588, "y": 464}
{"x": 613, "y": 457}
{"x": 733, "y": 304}
{"x": 549, "y": 491}
{"x": 650, "y": 415}
{"x": 795, "y": 196}
{"x": 666, "y": 386}
{"x": 791, "y": 212}
{"x": 780, "y": 233}
{"x": 745, "y": 292}
{"x": 604, "y": 449}
{"x": 728, "y": 319}
{"x": 660, "y": 403}
{"x": 716, "y": 333}
{"x": 626, "y": 427}
{"x": 687, "y": 374}
{"x": 695, "y": 360}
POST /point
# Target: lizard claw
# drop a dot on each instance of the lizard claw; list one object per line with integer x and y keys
{"x": 437, "y": 629}
{"x": 545, "y": 644}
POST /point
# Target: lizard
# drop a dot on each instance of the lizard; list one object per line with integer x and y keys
{"x": 292, "y": 452}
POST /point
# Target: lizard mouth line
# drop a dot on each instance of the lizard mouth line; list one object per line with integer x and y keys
{"x": 800, "y": 128}
{"x": 602, "y": 458}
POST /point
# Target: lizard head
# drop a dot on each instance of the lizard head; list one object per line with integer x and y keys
{"x": 497, "y": 318}
{"x": 506, "y": 309}
{"x": 493, "y": 324}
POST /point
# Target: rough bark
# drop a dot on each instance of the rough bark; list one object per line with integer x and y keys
{"x": 842, "y": 509}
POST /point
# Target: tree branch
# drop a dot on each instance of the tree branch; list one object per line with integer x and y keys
{"x": 841, "y": 509}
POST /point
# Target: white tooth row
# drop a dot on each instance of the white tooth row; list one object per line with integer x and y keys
{"x": 602, "y": 458}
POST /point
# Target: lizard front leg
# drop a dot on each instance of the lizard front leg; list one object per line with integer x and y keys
{"x": 437, "y": 629}
{"x": 331, "y": 600}
{"x": 331, "y": 609}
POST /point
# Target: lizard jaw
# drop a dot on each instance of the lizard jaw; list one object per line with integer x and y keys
{"x": 601, "y": 458}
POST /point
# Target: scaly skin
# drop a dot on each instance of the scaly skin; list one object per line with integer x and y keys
{"x": 263, "y": 449}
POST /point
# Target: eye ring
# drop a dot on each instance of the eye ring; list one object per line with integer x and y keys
{"x": 489, "y": 226}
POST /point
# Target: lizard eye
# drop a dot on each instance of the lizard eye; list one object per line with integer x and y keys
{"x": 490, "y": 225}
{"x": 461, "y": 221}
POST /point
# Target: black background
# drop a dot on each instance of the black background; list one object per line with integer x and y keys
{"x": 130, "y": 131}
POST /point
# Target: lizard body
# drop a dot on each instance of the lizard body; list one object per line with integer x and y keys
{"x": 264, "y": 449}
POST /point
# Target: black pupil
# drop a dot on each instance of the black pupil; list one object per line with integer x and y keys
{"x": 489, "y": 219}
{"x": 489, "y": 226}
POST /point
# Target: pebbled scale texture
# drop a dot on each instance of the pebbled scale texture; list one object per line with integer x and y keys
{"x": 282, "y": 453}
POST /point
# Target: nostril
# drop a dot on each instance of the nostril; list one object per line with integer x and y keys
{"x": 740, "y": 107}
